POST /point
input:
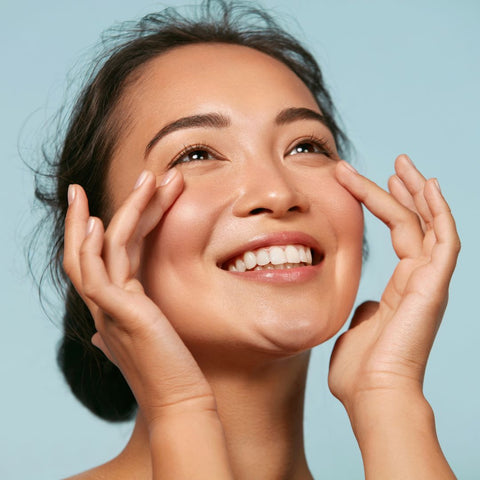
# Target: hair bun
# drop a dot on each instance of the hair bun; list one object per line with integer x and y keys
{"x": 93, "y": 379}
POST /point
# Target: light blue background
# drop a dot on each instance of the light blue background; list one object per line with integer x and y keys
{"x": 405, "y": 76}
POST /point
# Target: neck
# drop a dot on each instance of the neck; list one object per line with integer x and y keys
{"x": 261, "y": 410}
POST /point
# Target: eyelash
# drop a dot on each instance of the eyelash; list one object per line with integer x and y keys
{"x": 190, "y": 149}
{"x": 319, "y": 143}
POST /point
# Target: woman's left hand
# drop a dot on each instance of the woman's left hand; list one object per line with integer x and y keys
{"x": 386, "y": 348}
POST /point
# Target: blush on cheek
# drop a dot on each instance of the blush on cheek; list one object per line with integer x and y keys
{"x": 182, "y": 235}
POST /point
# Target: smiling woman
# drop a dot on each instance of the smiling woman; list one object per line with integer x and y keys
{"x": 213, "y": 235}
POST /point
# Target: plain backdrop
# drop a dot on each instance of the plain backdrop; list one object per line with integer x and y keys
{"x": 405, "y": 77}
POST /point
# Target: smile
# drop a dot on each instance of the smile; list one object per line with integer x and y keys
{"x": 269, "y": 258}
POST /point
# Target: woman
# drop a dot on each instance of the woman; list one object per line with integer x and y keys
{"x": 232, "y": 245}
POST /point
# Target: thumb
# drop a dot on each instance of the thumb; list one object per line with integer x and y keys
{"x": 363, "y": 312}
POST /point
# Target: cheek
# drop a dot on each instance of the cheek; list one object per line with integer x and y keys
{"x": 345, "y": 217}
{"x": 181, "y": 236}
{"x": 343, "y": 211}
{"x": 176, "y": 250}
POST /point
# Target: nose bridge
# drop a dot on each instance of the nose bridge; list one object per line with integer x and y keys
{"x": 267, "y": 186}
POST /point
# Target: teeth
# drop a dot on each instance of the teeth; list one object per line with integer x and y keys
{"x": 292, "y": 254}
{"x": 250, "y": 260}
{"x": 275, "y": 257}
{"x": 262, "y": 257}
{"x": 240, "y": 265}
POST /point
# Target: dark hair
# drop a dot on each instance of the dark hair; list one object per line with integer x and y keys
{"x": 89, "y": 143}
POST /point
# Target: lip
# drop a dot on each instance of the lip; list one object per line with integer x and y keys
{"x": 271, "y": 239}
{"x": 291, "y": 275}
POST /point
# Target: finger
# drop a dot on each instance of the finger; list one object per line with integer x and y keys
{"x": 74, "y": 235}
{"x": 75, "y": 228}
{"x": 165, "y": 195}
{"x": 139, "y": 214}
{"x": 414, "y": 182}
{"x": 447, "y": 246}
{"x": 398, "y": 189}
{"x": 114, "y": 301}
{"x": 123, "y": 225}
{"x": 406, "y": 231}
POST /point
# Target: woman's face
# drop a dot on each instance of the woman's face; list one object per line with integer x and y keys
{"x": 258, "y": 165}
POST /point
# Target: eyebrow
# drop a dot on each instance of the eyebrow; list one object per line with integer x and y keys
{"x": 211, "y": 120}
{"x": 218, "y": 120}
{"x": 294, "y": 114}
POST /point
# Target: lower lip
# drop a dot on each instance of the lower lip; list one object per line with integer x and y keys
{"x": 287, "y": 275}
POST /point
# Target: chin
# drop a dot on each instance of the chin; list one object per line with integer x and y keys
{"x": 296, "y": 335}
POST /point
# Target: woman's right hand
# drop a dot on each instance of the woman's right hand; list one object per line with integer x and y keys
{"x": 132, "y": 331}
{"x": 176, "y": 401}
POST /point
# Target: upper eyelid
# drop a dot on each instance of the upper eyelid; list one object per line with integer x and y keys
{"x": 191, "y": 148}
{"x": 318, "y": 140}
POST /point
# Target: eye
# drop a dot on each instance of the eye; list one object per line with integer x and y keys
{"x": 193, "y": 153}
{"x": 311, "y": 145}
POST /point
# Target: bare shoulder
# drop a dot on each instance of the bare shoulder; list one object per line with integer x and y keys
{"x": 93, "y": 474}
{"x": 103, "y": 472}
{"x": 120, "y": 468}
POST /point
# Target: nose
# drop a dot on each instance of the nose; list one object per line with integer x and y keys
{"x": 269, "y": 188}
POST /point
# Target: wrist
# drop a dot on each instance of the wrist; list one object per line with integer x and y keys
{"x": 189, "y": 444}
{"x": 369, "y": 409}
{"x": 397, "y": 436}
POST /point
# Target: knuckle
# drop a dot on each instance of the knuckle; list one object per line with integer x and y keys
{"x": 83, "y": 254}
{"x": 457, "y": 245}
{"x": 89, "y": 289}
{"x": 110, "y": 241}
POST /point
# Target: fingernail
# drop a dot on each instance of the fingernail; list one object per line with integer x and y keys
{"x": 90, "y": 225}
{"x": 141, "y": 179}
{"x": 349, "y": 167}
{"x": 168, "y": 177}
{"x": 71, "y": 194}
{"x": 437, "y": 185}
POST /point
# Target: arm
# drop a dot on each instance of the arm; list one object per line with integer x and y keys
{"x": 189, "y": 443}
{"x": 397, "y": 438}
{"x": 173, "y": 395}
{"x": 377, "y": 366}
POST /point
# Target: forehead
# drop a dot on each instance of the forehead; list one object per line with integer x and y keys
{"x": 243, "y": 84}
{"x": 206, "y": 77}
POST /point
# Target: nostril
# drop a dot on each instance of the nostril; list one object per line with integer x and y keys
{"x": 257, "y": 211}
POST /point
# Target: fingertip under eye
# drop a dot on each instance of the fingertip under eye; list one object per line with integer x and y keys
{"x": 168, "y": 177}
{"x": 141, "y": 179}
{"x": 348, "y": 166}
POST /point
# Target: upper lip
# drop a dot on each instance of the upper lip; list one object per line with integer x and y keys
{"x": 274, "y": 238}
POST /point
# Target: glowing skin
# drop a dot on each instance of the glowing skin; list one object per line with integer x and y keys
{"x": 261, "y": 181}
{"x": 256, "y": 186}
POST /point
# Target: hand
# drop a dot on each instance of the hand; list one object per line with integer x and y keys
{"x": 387, "y": 345}
{"x": 132, "y": 331}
